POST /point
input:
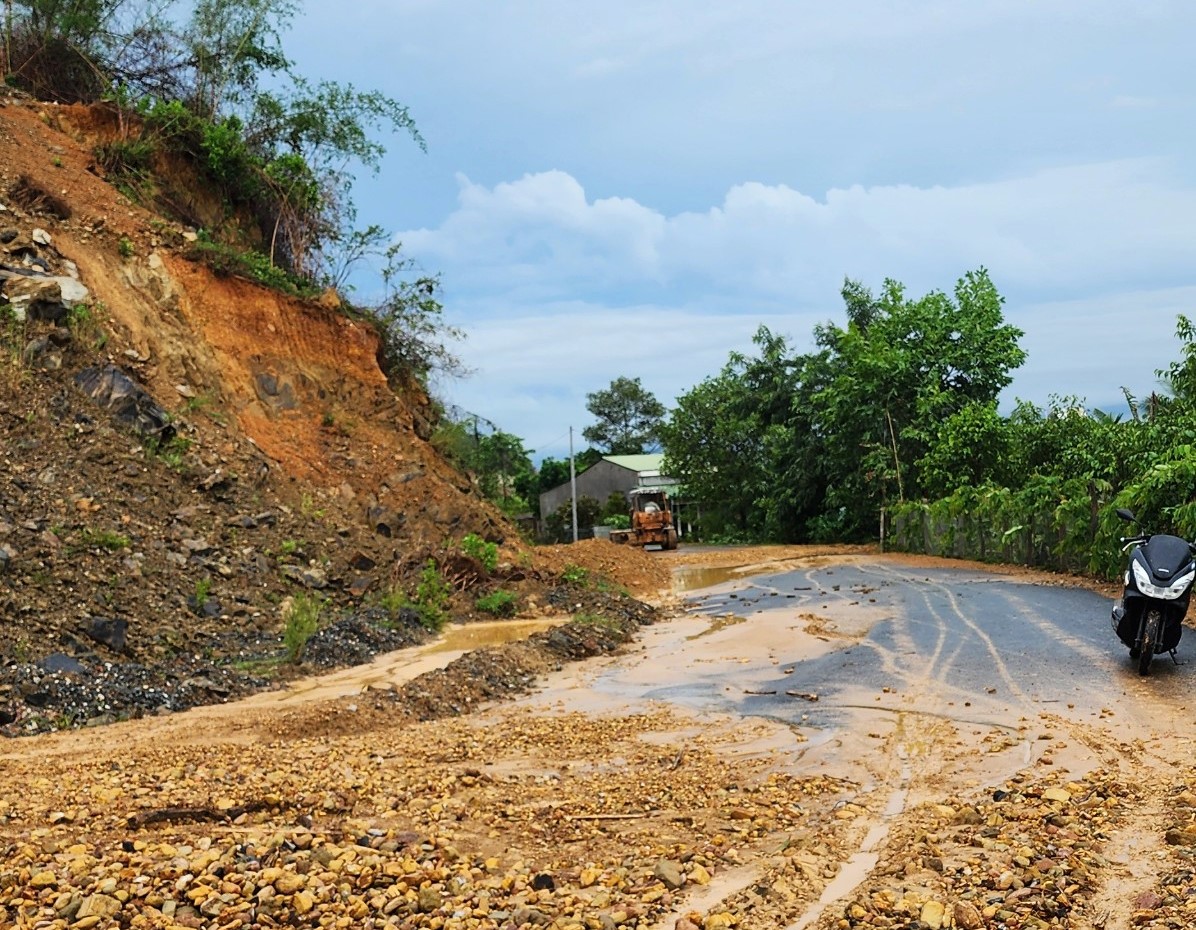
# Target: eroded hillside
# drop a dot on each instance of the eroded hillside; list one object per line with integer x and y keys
{"x": 152, "y": 564}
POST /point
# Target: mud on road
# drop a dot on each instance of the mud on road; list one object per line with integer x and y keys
{"x": 570, "y": 807}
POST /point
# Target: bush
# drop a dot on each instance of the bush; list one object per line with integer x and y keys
{"x": 499, "y": 604}
{"x": 575, "y": 574}
{"x": 303, "y": 620}
{"x": 431, "y": 598}
{"x": 231, "y": 262}
{"x": 485, "y": 552}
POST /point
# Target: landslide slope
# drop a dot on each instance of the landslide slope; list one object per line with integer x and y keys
{"x": 140, "y": 572}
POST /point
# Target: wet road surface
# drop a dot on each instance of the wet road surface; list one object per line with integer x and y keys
{"x": 846, "y": 644}
{"x": 915, "y": 684}
{"x": 953, "y": 636}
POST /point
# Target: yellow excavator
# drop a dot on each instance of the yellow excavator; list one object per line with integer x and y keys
{"x": 651, "y": 521}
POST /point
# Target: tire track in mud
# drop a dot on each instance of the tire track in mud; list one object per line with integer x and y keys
{"x": 909, "y": 757}
{"x": 1136, "y": 855}
{"x": 919, "y": 764}
{"x": 918, "y": 731}
{"x": 923, "y": 586}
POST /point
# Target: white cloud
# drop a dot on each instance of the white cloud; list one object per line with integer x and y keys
{"x": 534, "y": 369}
{"x": 688, "y": 171}
{"x": 561, "y": 293}
{"x": 1069, "y": 227}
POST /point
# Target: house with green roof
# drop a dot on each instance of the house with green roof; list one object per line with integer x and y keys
{"x": 617, "y": 474}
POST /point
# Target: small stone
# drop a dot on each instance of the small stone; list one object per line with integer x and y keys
{"x": 289, "y": 883}
{"x": 669, "y": 872}
{"x": 99, "y": 906}
{"x": 932, "y": 914}
{"x": 589, "y": 876}
{"x": 522, "y": 916}
{"x": 429, "y": 900}
{"x": 1181, "y": 836}
{"x": 966, "y": 916}
{"x": 46, "y": 879}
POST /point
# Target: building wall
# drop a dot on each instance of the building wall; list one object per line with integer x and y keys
{"x": 599, "y": 481}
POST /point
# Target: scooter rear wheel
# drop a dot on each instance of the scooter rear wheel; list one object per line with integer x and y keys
{"x": 1150, "y": 636}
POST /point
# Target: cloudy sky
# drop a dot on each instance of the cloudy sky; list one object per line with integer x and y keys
{"x": 632, "y": 188}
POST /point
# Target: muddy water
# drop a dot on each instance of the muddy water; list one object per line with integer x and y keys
{"x": 698, "y": 577}
{"x": 392, "y": 669}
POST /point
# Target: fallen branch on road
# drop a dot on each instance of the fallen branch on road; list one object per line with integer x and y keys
{"x": 196, "y": 814}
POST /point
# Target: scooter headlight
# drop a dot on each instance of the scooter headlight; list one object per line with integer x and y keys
{"x": 1171, "y": 592}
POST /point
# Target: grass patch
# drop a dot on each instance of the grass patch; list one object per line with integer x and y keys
{"x": 498, "y": 604}
{"x": 575, "y": 574}
{"x": 227, "y": 261}
{"x": 82, "y": 321}
{"x": 429, "y": 603}
{"x": 103, "y": 539}
{"x": 173, "y": 452}
{"x": 598, "y": 622}
{"x": 259, "y": 668}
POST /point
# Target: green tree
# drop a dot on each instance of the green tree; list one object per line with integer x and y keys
{"x": 230, "y": 45}
{"x": 52, "y": 47}
{"x": 628, "y": 418}
{"x": 615, "y": 507}
{"x": 552, "y": 473}
{"x": 502, "y": 467}
{"x": 743, "y": 445}
{"x": 897, "y": 370}
{"x": 409, "y": 320}
{"x": 974, "y": 446}
{"x": 558, "y": 525}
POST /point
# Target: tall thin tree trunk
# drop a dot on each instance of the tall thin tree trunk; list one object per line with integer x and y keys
{"x": 896, "y": 460}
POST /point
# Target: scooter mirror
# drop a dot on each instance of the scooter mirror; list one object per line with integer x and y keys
{"x": 1127, "y": 515}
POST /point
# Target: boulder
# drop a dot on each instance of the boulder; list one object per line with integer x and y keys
{"x": 126, "y": 400}
{"x": 35, "y": 297}
{"x": 108, "y": 631}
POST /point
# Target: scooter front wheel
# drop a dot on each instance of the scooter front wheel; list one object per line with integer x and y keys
{"x": 1150, "y": 636}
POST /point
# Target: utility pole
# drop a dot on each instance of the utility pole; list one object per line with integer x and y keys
{"x": 573, "y": 483}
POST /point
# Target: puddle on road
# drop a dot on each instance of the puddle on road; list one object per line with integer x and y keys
{"x": 694, "y": 579}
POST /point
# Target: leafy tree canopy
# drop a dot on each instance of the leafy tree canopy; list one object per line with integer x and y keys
{"x": 897, "y": 401}
{"x": 205, "y": 85}
{"x": 628, "y": 418}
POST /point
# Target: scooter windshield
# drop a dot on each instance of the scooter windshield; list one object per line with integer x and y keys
{"x": 1166, "y": 555}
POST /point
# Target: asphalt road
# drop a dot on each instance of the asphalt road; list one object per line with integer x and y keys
{"x": 966, "y": 645}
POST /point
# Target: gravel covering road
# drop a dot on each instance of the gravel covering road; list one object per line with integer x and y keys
{"x": 358, "y": 812}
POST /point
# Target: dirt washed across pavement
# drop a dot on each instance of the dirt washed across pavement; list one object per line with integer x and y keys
{"x": 576, "y": 806}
